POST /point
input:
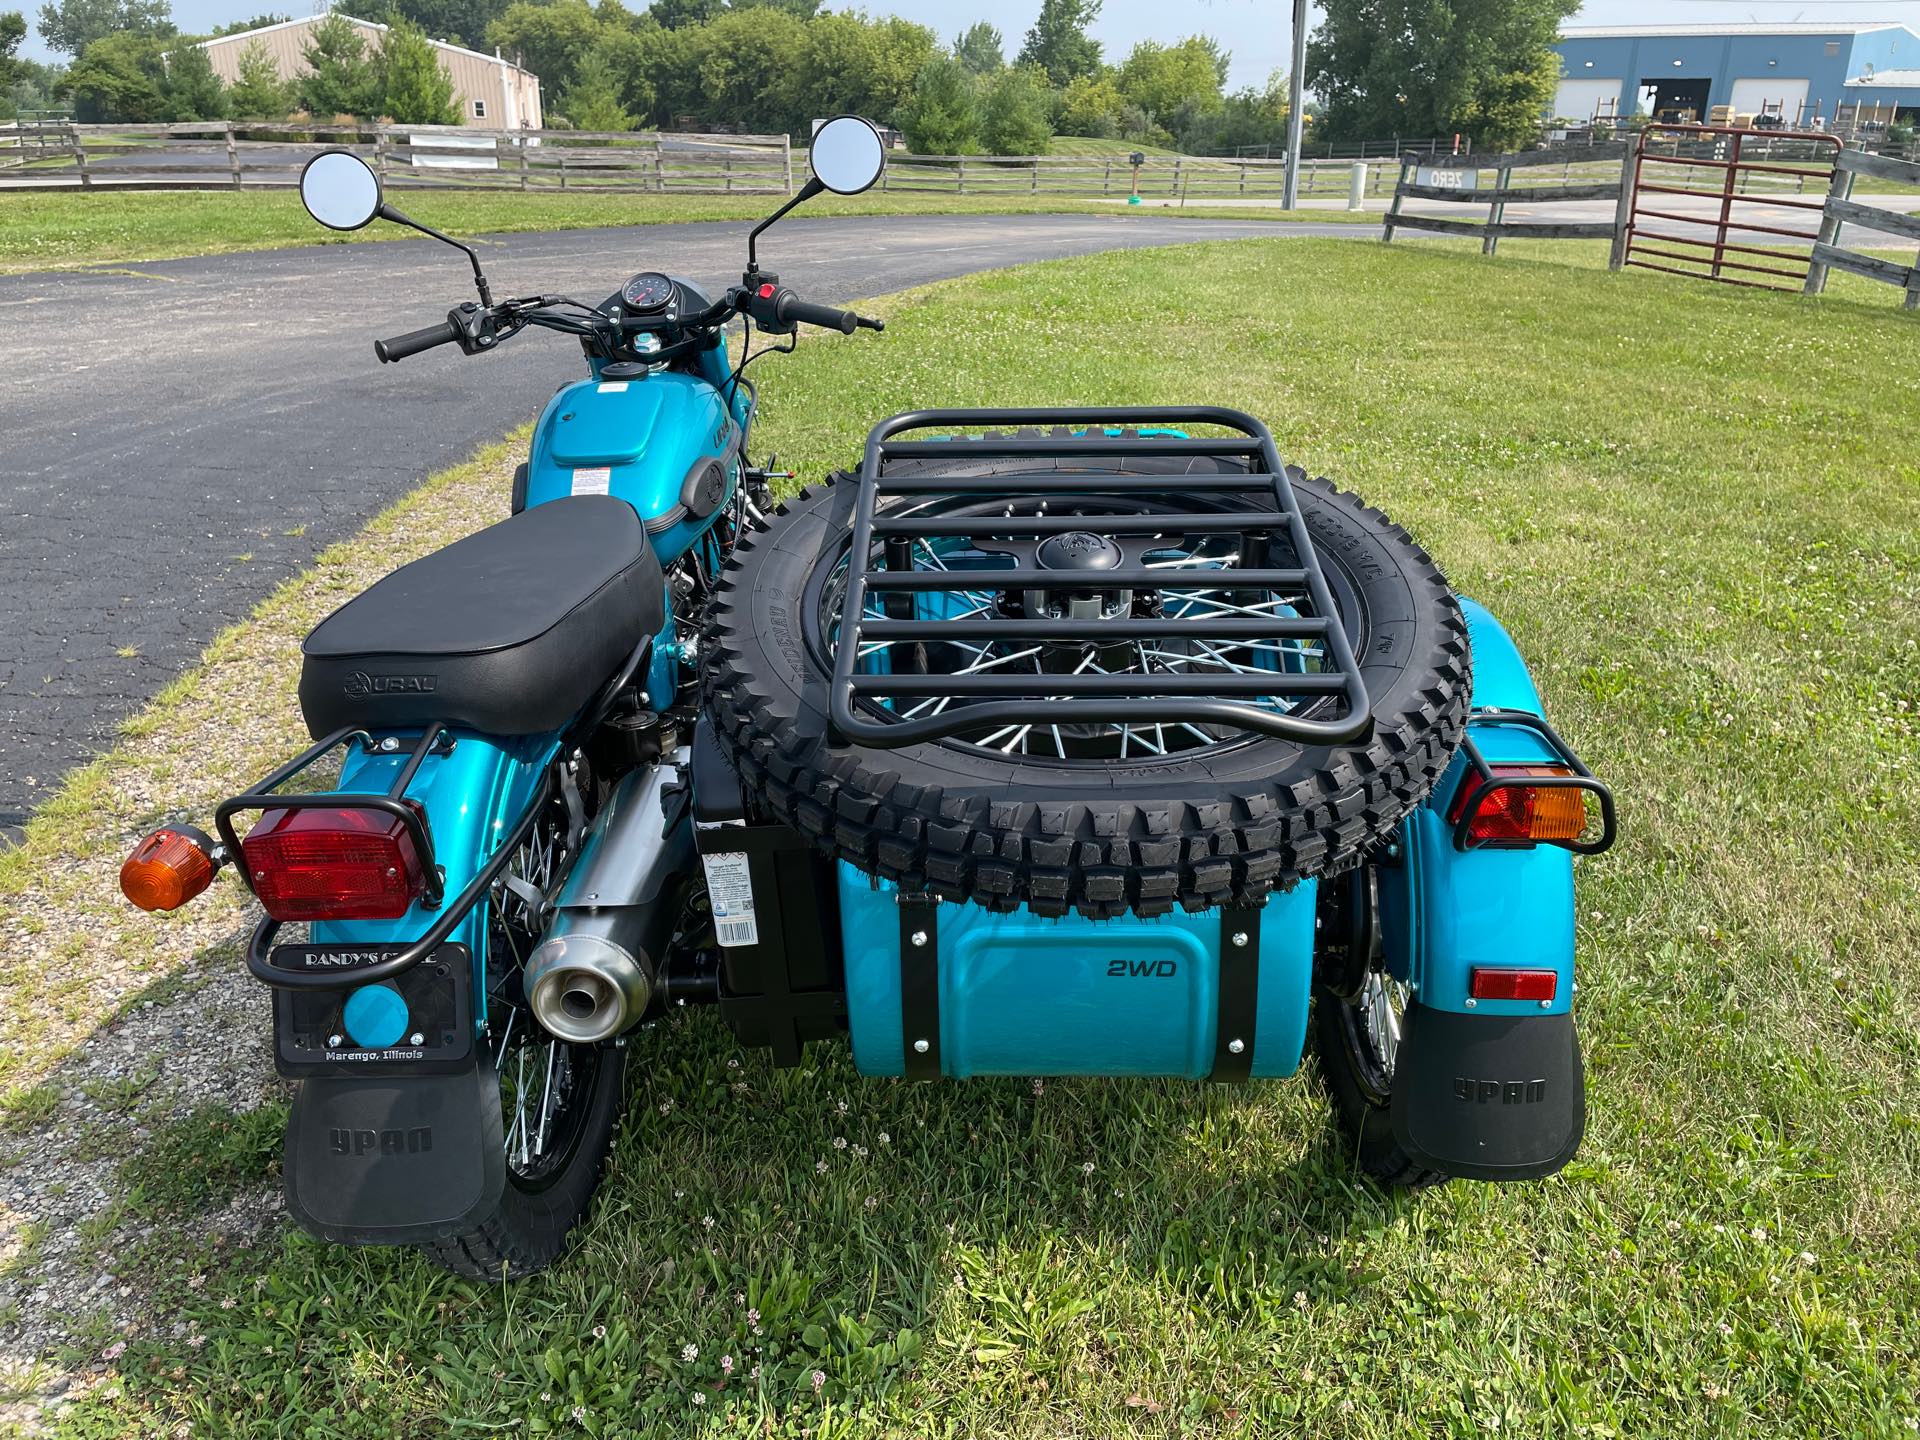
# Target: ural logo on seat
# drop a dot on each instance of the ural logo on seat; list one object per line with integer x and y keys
{"x": 415, "y": 1141}
{"x": 360, "y": 684}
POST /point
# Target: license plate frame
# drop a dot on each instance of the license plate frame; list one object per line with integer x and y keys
{"x": 439, "y": 997}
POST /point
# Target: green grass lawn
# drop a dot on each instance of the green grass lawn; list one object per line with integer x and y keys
{"x": 1695, "y": 508}
{"x": 46, "y": 230}
{"x": 1092, "y": 145}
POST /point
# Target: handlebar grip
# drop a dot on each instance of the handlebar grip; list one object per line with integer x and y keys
{"x": 412, "y": 343}
{"x": 792, "y": 309}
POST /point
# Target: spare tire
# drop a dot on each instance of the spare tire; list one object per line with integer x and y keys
{"x": 1222, "y": 822}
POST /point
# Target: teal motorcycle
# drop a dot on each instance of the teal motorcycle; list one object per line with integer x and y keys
{"x": 1082, "y": 741}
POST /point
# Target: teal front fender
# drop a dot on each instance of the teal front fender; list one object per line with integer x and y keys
{"x": 1445, "y": 911}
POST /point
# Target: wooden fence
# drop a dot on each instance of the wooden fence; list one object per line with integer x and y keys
{"x": 1456, "y": 180}
{"x": 246, "y": 155}
{"x": 1841, "y": 210}
{"x": 238, "y": 155}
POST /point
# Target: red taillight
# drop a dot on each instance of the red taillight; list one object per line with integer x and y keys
{"x": 1523, "y": 814}
{"x": 345, "y": 864}
{"x": 1486, "y": 984}
{"x": 166, "y": 870}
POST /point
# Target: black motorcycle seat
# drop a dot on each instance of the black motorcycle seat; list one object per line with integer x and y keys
{"x": 510, "y": 631}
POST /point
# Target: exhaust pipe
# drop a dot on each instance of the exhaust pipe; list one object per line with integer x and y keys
{"x": 594, "y": 972}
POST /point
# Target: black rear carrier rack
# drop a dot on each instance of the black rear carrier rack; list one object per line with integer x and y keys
{"x": 1050, "y": 571}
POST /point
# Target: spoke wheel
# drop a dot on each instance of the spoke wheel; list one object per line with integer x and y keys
{"x": 1357, "y": 1038}
{"x": 559, "y": 1102}
{"x": 1199, "y": 584}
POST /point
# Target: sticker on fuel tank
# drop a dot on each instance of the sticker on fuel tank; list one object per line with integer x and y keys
{"x": 592, "y": 482}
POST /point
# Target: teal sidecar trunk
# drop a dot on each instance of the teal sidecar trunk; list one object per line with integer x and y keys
{"x": 1024, "y": 994}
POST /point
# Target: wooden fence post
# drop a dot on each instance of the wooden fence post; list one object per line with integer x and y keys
{"x": 1393, "y": 210}
{"x": 1176, "y": 174}
{"x": 786, "y": 161}
{"x": 1036, "y": 175}
{"x": 1497, "y": 209}
{"x": 382, "y": 141}
{"x": 960, "y": 177}
{"x": 660, "y": 167}
{"x": 80, "y": 156}
{"x": 1106, "y": 180}
{"x": 1623, "y": 206}
{"x": 522, "y": 142}
{"x": 1840, "y": 187}
{"x": 233, "y": 156}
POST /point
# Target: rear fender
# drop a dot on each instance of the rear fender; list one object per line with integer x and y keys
{"x": 1486, "y": 1089}
{"x": 396, "y": 1157}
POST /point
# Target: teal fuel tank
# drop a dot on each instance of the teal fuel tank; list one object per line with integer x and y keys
{"x": 663, "y": 442}
{"x": 1023, "y": 994}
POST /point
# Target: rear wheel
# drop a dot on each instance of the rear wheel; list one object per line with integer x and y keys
{"x": 559, "y": 1102}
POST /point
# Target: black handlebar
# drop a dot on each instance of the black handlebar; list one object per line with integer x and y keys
{"x": 414, "y": 341}
{"x": 791, "y": 309}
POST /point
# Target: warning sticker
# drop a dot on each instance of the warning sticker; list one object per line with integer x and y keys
{"x": 592, "y": 482}
{"x": 730, "y": 891}
{"x": 612, "y": 387}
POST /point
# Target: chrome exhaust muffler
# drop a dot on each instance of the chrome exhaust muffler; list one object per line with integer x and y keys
{"x": 593, "y": 973}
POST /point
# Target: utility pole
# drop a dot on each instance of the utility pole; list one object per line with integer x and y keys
{"x": 1294, "y": 98}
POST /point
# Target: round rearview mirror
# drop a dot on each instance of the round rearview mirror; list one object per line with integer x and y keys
{"x": 340, "y": 190}
{"x": 847, "y": 155}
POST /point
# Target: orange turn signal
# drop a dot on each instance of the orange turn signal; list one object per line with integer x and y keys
{"x": 1524, "y": 814}
{"x": 167, "y": 869}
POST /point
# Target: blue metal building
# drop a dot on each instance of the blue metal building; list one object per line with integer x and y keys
{"x": 1823, "y": 76}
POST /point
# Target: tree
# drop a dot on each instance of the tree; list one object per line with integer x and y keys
{"x": 119, "y": 78}
{"x": 980, "y": 49}
{"x": 240, "y": 27}
{"x": 13, "y": 29}
{"x": 857, "y": 66}
{"x": 70, "y": 26}
{"x": 594, "y": 100}
{"x": 459, "y": 22}
{"x": 1014, "y": 116}
{"x": 678, "y": 14}
{"x": 258, "y": 93}
{"x": 1090, "y": 105}
{"x": 1432, "y": 67}
{"x": 1161, "y": 79}
{"x": 342, "y": 81}
{"x": 745, "y": 64}
{"x": 799, "y": 9}
{"x": 1059, "y": 44}
{"x": 943, "y": 117}
{"x": 414, "y": 86}
{"x": 192, "y": 90}
{"x": 549, "y": 39}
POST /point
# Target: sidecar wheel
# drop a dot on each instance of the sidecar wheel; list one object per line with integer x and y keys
{"x": 1355, "y": 1041}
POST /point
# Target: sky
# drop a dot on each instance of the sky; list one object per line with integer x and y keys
{"x": 1254, "y": 31}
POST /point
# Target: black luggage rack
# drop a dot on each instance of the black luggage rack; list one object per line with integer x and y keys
{"x": 1017, "y": 698}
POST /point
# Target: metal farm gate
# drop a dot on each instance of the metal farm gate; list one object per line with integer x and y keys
{"x": 1757, "y": 184}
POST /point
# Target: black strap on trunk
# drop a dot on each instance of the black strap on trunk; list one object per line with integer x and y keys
{"x": 1239, "y": 992}
{"x": 920, "y": 986}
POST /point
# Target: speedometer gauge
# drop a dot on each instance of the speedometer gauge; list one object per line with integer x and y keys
{"x": 646, "y": 292}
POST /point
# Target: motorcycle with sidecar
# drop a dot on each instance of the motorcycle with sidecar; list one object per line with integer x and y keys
{"x": 1077, "y": 741}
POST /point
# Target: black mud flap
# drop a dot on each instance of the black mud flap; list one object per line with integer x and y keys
{"x": 396, "y": 1159}
{"x": 1489, "y": 1097}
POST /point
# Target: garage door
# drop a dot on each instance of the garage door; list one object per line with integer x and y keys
{"x": 1582, "y": 99}
{"x": 1769, "y": 92}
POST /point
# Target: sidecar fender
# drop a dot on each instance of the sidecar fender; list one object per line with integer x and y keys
{"x": 1484, "y": 1088}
